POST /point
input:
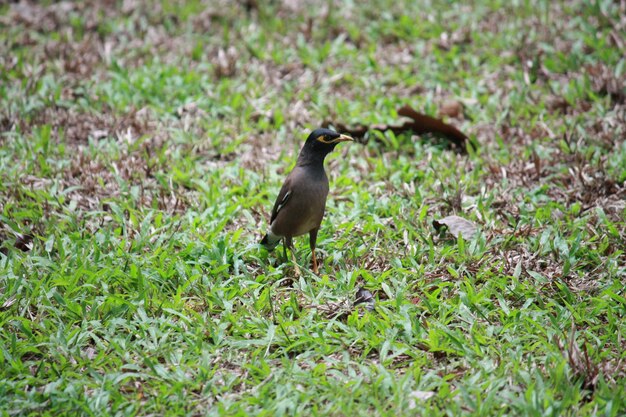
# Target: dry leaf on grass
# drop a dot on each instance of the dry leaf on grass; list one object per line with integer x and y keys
{"x": 419, "y": 123}
{"x": 24, "y": 242}
{"x": 423, "y": 123}
{"x": 225, "y": 64}
{"x": 458, "y": 37}
{"x": 415, "y": 396}
{"x": 457, "y": 226}
{"x": 586, "y": 370}
{"x": 604, "y": 81}
{"x": 9, "y": 302}
{"x": 579, "y": 361}
{"x": 557, "y": 103}
{"x": 342, "y": 309}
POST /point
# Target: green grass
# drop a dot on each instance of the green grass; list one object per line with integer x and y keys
{"x": 143, "y": 147}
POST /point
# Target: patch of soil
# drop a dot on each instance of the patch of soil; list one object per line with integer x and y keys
{"x": 75, "y": 128}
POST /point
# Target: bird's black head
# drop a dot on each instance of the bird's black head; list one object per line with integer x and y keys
{"x": 319, "y": 144}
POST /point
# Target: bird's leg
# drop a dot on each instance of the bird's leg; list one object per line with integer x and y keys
{"x": 289, "y": 243}
{"x": 285, "y": 249}
{"x": 312, "y": 240}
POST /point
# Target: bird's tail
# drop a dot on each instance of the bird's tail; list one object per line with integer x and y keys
{"x": 270, "y": 241}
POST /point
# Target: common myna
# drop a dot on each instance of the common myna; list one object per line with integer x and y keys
{"x": 301, "y": 202}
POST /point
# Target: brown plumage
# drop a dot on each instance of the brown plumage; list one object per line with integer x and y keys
{"x": 301, "y": 202}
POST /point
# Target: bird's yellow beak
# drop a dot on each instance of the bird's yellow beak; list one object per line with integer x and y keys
{"x": 344, "y": 138}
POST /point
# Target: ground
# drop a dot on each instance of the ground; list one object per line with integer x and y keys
{"x": 143, "y": 143}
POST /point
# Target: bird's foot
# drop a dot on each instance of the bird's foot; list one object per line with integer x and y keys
{"x": 314, "y": 262}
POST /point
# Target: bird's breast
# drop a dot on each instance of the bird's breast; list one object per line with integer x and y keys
{"x": 305, "y": 209}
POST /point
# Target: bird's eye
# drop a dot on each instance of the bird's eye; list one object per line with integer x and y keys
{"x": 322, "y": 139}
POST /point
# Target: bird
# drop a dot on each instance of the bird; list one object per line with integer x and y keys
{"x": 301, "y": 202}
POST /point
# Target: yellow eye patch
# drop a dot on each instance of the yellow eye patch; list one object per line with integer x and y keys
{"x": 324, "y": 139}
{"x": 340, "y": 138}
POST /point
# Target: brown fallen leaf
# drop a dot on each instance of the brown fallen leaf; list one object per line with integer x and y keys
{"x": 419, "y": 123}
{"x": 457, "y": 226}
{"x": 423, "y": 123}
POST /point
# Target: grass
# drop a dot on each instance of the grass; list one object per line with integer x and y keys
{"x": 142, "y": 146}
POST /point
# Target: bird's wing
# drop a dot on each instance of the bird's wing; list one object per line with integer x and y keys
{"x": 281, "y": 200}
